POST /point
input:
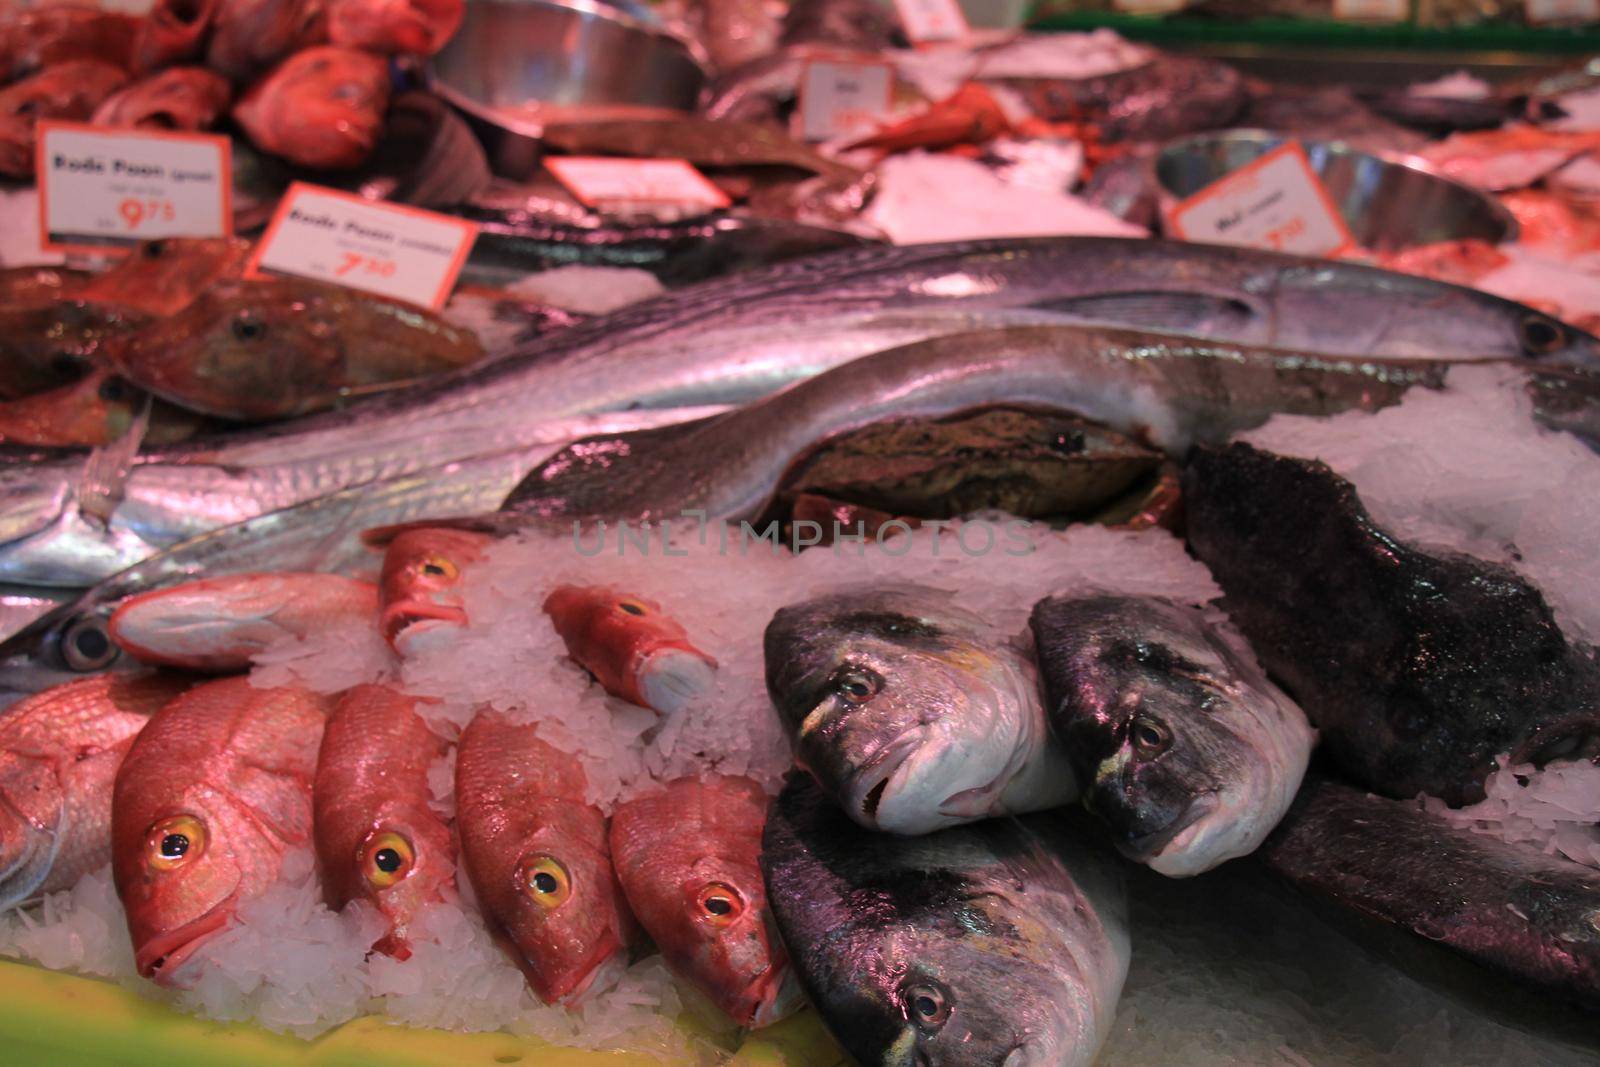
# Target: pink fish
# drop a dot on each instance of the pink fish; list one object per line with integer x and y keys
{"x": 390, "y": 27}
{"x": 321, "y": 108}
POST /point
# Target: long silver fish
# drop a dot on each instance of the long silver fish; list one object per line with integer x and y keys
{"x": 735, "y": 339}
{"x": 910, "y": 712}
{"x": 1001, "y": 944}
{"x": 1186, "y": 750}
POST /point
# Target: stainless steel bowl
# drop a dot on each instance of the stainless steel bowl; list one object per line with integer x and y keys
{"x": 1388, "y": 204}
{"x": 517, "y": 64}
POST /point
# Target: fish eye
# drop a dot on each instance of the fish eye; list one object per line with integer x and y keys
{"x": 720, "y": 904}
{"x": 926, "y": 1005}
{"x": 855, "y": 686}
{"x": 112, "y": 389}
{"x": 632, "y": 607}
{"x": 155, "y": 249}
{"x": 1541, "y": 336}
{"x": 87, "y": 646}
{"x": 1150, "y": 737}
{"x": 246, "y": 327}
{"x": 439, "y": 567}
{"x": 174, "y": 841}
{"x": 546, "y": 881}
{"x": 386, "y": 857}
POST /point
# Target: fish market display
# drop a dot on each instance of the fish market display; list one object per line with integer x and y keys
{"x": 910, "y": 712}
{"x": 59, "y": 754}
{"x": 632, "y": 648}
{"x": 213, "y": 793}
{"x": 687, "y": 860}
{"x": 378, "y": 839}
{"x": 1000, "y": 943}
{"x": 1186, "y": 750}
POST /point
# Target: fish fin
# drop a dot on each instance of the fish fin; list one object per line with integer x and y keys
{"x": 105, "y": 473}
{"x": 1170, "y": 309}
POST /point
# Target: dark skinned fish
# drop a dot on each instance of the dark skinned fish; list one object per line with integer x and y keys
{"x": 703, "y": 142}
{"x": 1419, "y": 667}
{"x": 1001, "y": 944}
{"x": 1185, "y": 750}
{"x": 50, "y": 333}
{"x": 1528, "y": 916}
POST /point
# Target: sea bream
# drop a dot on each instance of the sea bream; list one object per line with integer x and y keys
{"x": 215, "y": 790}
{"x": 741, "y": 337}
{"x": 1185, "y": 749}
{"x": 911, "y": 712}
{"x": 1000, "y": 944}
{"x": 59, "y": 753}
{"x": 686, "y": 856}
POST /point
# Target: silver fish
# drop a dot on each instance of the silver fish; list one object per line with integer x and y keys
{"x": 1186, "y": 750}
{"x": 1001, "y": 944}
{"x": 738, "y": 338}
{"x": 909, "y": 712}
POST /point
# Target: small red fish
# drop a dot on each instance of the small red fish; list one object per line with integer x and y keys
{"x": 321, "y": 108}
{"x": 174, "y": 31}
{"x": 218, "y": 624}
{"x": 970, "y": 116}
{"x": 164, "y": 276}
{"x": 539, "y": 860}
{"x": 92, "y": 411}
{"x": 249, "y": 37}
{"x": 70, "y": 90}
{"x": 59, "y": 753}
{"x": 377, "y": 838}
{"x": 214, "y": 792}
{"x": 394, "y": 27}
{"x": 687, "y": 857}
{"x": 32, "y": 38}
{"x": 421, "y": 582}
{"x": 182, "y": 98}
{"x": 635, "y": 652}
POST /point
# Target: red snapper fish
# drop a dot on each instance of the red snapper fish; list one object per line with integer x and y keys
{"x": 249, "y": 36}
{"x": 394, "y": 27}
{"x": 687, "y": 857}
{"x": 164, "y": 276}
{"x": 539, "y": 859}
{"x": 320, "y": 108}
{"x": 213, "y": 793}
{"x": 635, "y": 652}
{"x": 181, "y": 98}
{"x": 377, "y": 838}
{"x": 32, "y": 38}
{"x": 59, "y": 753}
{"x": 173, "y": 31}
{"x": 70, "y": 91}
{"x": 421, "y": 584}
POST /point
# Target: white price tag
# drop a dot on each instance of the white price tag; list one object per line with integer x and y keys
{"x": 101, "y": 188}
{"x": 399, "y": 252}
{"x": 1541, "y": 12}
{"x": 601, "y": 180}
{"x": 927, "y": 21}
{"x": 839, "y": 98}
{"x": 1372, "y": 10}
{"x": 1275, "y": 202}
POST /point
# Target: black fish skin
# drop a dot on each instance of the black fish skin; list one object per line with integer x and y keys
{"x": 1532, "y": 917}
{"x": 1419, "y": 668}
{"x": 987, "y": 916}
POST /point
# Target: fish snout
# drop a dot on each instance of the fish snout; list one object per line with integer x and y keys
{"x": 671, "y": 679}
{"x": 774, "y": 996}
{"x": 160, "y": 958}
{"x": 599, "y": 977}
{"x": 411, "y": 626}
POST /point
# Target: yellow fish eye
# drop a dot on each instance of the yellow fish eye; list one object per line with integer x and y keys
{"x": 440, "y": 567}
{"x": 720, "y": 904}
{"x": 174, "y": 841}
{"x": 386, "y": 857}
{"x": 632, "y": 607}
{"x": 546, "y": 881}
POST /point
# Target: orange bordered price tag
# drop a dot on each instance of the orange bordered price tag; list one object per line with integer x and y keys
{"x": 101, "y": 189}
{"x": 1275, "y": 202}
{"x": 599, "y": 181}
{"x": 930, "y": 21}
{"x": 403, "y": 253}
{"x": 843, "y": 97}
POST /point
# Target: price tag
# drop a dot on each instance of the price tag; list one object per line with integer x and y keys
{"x": 1541, "y": 12}
{"x": 927, "y": 21}
{"x": 103, "y": 188}
{"x": 1275, "y": 202}
{"x": 1372, "y": 10}
{"x": 395, "y": 251}
{"x": 839, "y": 97}
{"x": 601, "y": 181}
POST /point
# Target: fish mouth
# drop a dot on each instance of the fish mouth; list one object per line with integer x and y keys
{"x": 408, "y": 619}
{"x": 773, "y": 996}
{"x": 160, "y": 957}
{"x": 876, "y": 775}
{"x": 1146, "y": 847}
{"x": 601, "y": 976}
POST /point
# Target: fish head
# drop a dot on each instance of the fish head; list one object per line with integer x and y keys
{"x": 33, "y": 816}
{"x": 404, "y": 863}
{"x": 917, "y": 997}
{"x": 164, "y": 275}
{"x": 557, "y": 900}
{"x": 637, "y": 651}
{"x": 1189, "y": 755}
{"x": 182, "y": 855}
{"x": 421, "y": 584}
{"x": 899, "y": 709}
